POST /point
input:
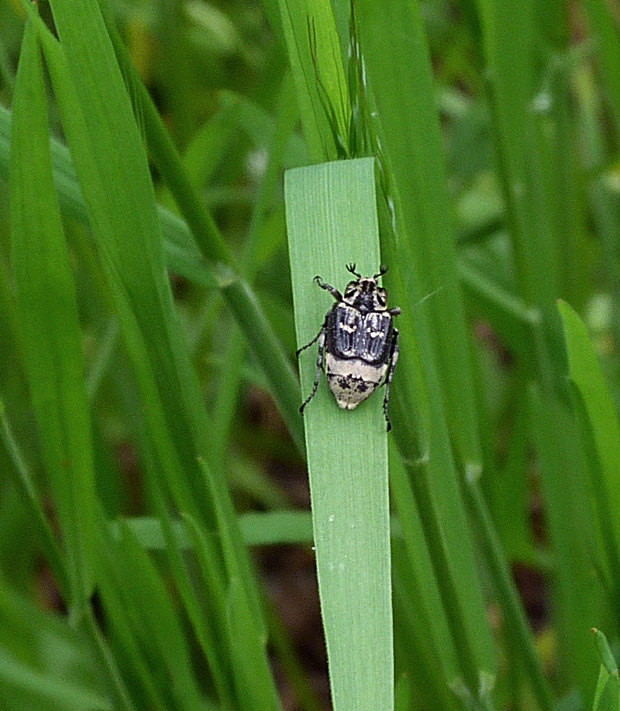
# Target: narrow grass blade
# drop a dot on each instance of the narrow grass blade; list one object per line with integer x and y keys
{"x": 183, "y": 257}
{"x": 239, "y": 297}
{"x": 255, "y": 688}
{"x": 28, "y": 689}
{"x": 516, "y": 622}
{"x": 155, "y": 625}
{"x": 121, "y": 208}
{"x": 235, "y": 354}
{"x": 24, "y": 484}
{"x": 508, "y": 314}
{"x": 209, "y": 624}
{"x": 316, "y": 62}
{"x": 246, "y": 633}
{"x": 400, "y": 82}
{"x": 603, "y": 428}
{"x": 259, "y": 127}
{"x": 243, "y": 302}
{"x": 258, "y": 529}
{"x": 45, "y": 663}
{"x": 111, "y": 164}
{"x": 604, "y": 28}
{"x": 120, "y": 626}
{"x": 51, "y": 331}
{"x": 607, "y": 695}
{"x": 577, "y": 592}
{"x": 427, "y": 629}
{"x": 418, "y": 236}
{"x": 332, "y": 221}
{"x": 403, "y": 699}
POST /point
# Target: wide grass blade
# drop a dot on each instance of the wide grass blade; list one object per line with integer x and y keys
{"x": 332, "y": 221}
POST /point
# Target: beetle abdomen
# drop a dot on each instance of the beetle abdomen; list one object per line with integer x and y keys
{"x": 352, "y": 380}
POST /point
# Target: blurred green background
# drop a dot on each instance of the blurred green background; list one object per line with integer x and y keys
{"x": 148, "y": 396}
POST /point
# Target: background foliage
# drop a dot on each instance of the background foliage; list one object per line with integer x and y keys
{"x": 154, "y": 517}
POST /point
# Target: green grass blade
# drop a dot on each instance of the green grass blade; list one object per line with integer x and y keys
{"x": 416, "y": 575}
{"x": 247, "y": 636}
{"x": 210, "y": 624}
{"x": 397, "y": 66}
{"x": 24, "y": 484}
{"x": 607, "y": 694}
{"x": 255, "y": 688}
{"x": 604, "y": 27}
{"x": 258, "y": 529}
{"x": 401, "y": 88}
{"x": 51, "y": 331}
{"x": 604, "y": 430}
{"x": 182, "y": 254}
{"x": 235, "y": 355}
{"x": 183, "y": 257}
{"x": 577, "y": 592}
{"x": 516, "y": 622}
{"x": 347, "y": 451}
{"x": 608, "y": 660}
{"x": 208, "y": 236}
{"x": 251, "y": 318}
{"x": 259, "y": 127}
{"x": 121, "y": 208}
{"x": 111, "y": 163}
{"x": 154, "y": 623}
{"x": 45, "y": 662}
{"x": 239, "y": 296}
{"x": 120, "y": 625}
{"x": 316, "y": 63}
{"x": 27, "y": 688}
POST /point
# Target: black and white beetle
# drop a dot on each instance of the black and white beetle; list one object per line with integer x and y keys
{"x": 358, "y": 343}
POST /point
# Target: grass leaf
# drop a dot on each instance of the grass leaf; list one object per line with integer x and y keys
{"x": 347, "y": 451}
{"x": 51, "y": 332}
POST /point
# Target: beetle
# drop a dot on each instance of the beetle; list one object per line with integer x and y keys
{"x": 358, "y": 342}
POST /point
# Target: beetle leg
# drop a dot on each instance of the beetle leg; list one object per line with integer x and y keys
{"x": 328, "y": 287}
{"x": 394, "y": 353}
{"x": 314, "y": 340}
{"x": 319, "y": 368}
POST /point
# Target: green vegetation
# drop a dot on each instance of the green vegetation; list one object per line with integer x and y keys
{"x": 156, "y": 266}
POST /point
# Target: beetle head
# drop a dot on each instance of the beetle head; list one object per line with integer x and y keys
{"x": 365, "y": 294}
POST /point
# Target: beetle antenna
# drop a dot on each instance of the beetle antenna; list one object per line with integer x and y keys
{"x": 382, "y": 270}
{"x": 351, "y": 268}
